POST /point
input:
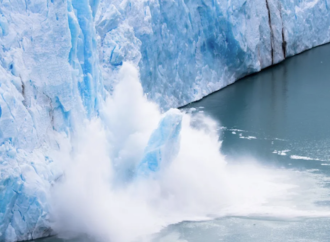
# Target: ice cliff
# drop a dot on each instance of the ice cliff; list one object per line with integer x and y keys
{"x": 188, "y": 49}
{"x": 59, "y": 59}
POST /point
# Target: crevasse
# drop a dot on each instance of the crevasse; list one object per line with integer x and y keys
{"x": 60, "y": 59}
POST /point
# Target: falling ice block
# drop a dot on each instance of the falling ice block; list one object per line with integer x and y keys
{"x": 163, "y": 145}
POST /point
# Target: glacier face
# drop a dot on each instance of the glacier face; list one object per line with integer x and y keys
{"x": 49, "y": 78}
{"x": 59, "y": 59}
{"x": 188, "y": 49}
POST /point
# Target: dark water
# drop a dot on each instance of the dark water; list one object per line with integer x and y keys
{"x": 280, "y": 117}
{"x": 283, "y": 108}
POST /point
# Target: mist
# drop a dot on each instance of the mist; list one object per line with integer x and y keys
{"x": 100, "y": 194}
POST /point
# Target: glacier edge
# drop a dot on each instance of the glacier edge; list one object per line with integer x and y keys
{"x": 60, "y": 59}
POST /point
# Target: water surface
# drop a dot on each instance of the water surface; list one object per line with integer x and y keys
{"x": 281, "y": 114}
{"x": 280, "y": 117}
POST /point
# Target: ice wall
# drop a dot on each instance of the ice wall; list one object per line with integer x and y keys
{"x": 49, "y": 79}
{"x": 187, "y": 49}
{"x": 59, "y": 59}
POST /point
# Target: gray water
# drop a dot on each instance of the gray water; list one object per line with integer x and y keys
{"x": 282, "y": 108}
{"x": 280, "y": 117}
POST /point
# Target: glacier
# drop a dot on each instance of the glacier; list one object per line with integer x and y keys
{"x": 60, "y": 60}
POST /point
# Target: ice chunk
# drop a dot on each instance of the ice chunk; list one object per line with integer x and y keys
{"x": 163, "y": 145}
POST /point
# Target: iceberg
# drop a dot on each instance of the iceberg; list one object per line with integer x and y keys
{"x": 59, "y": 60}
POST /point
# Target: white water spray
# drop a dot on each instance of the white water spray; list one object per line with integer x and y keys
{"x": 99, "y": 194}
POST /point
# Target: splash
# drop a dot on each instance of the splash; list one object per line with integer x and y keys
{"x": 133, "y": 171}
